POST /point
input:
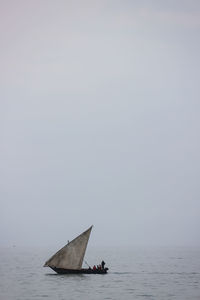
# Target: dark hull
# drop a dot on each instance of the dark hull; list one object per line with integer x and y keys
{"x": 81, "y": 271}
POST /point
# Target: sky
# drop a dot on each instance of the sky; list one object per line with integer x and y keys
{"x": 99, "y": 122}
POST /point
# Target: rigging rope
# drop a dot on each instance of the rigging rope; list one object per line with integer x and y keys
{"x": 86, "y": 263}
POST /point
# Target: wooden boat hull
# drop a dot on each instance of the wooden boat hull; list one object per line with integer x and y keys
{"x": 81, "y": 271}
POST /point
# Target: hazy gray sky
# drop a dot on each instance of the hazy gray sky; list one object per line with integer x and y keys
{"x": 100, "y": 121}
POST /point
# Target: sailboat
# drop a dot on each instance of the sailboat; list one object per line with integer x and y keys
{"x": 69, "y": 259}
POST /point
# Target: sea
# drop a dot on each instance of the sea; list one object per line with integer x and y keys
{"x": 134, "y": 273}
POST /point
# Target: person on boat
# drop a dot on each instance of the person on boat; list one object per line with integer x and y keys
{"x": 103, "y": 264}
{"x": 94, "y": 268}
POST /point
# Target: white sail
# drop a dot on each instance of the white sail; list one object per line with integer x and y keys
{"x": 71, "y": 255}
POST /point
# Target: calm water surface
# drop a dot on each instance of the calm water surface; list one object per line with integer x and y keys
{"x": 134, "y": 274}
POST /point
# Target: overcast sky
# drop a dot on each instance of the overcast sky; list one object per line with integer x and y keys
{"x": 100, "y": 121}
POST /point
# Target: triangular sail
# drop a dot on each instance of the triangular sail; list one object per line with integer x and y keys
{"x": 71, "y": 255}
